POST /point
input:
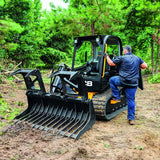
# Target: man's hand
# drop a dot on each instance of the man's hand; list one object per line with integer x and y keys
{"x": 109, "y": 61}
{"x": 105, "y": 54}
{"x": 144, "y": 65}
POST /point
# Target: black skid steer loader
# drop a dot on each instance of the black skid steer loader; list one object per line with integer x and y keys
{"x": 78, "y": 95}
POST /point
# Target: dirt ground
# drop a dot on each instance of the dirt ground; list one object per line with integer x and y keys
{"x": 113, "y": 140}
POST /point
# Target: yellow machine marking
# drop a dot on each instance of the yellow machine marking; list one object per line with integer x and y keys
{"x": 104, "y": 64}
{"x": 79, "y": 97}
{"x": 91, "y": 94}
{"x": 114, "y": 102}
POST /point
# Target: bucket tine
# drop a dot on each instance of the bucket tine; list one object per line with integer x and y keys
{"x": 80, "y": 123}
{"x": 23, "y": 115}
{"x": 56, "y": 117}
{"x": 61, "y": 120}
{"x": 69, "y": 118}
{"x": 85, "y": 126}
{"x": 42, "y": 120}
{"x": 75, "y": 124}
{"x": 41, "y": 112}
{"x": 84, "y": 121}
{"x": 42, "y": 116}
{"x": 26, "y": 113}
{"x": 35, "y": 113}
{"x": 71, "y": 121}
{"x": 42, "y": 126}
{"x": 66, "y": 121}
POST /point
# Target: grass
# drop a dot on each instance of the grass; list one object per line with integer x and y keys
{"x": 46, "y": 81}
{"x": 13, "y": 84}
{"x": 143, "y": 121}
{"x": 138, "y": 147}
{"x": 106, "y": 145}
{"x": 120, "y": 119}
{"x": 12, "y": 93}
{"x": 19, "y": 103}
{"x": 8, "y": 112}
{"x": 138, "y": 126}
{"x": 45, "y": 74}
{"x": 2, "y": 124}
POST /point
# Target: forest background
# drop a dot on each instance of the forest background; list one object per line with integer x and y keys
{"x": 36, "y": 38}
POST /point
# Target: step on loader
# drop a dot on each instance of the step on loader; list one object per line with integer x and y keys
{"x": 78, "y": 95}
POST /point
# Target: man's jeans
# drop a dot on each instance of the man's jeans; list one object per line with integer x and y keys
{"x": 130, "y": 95}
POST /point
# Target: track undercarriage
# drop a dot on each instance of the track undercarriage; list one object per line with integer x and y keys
{"x": 104, "y": 110}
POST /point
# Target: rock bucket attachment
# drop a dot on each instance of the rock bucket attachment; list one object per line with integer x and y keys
{"x": 69, "y": 115}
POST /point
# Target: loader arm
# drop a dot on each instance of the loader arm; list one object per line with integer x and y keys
{"x": 70, "y": 77}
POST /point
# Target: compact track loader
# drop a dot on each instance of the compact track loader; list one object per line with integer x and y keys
{"x": 78, "y": 95}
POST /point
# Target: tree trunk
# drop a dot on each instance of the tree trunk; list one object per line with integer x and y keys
{"x": 4, "y": 9}
{"x": 158, "y": 52}
{"x": 93, "y": 28}
{"x": 152, "y": 55}
{"x": 93, "y": 32}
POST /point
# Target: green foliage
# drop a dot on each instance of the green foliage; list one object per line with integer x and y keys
{"x": 141, "y": 148}
{"x": 89, "y": 17}
{"x": 43, "y": 38}
{"x": 20, "y": 103}
{"x": 106, "y": 145}
{"x": 7, "y": 111}
{"x": 2, "y": 124}
{"x": 8, "y": 27}
{"x": 0, "y": 68}
{"x": 137, "y": 147}
{"x": 80, "y": 54}
{"x": 21, "y": 11}
{"x": 0, "y": 75}
{"x": 147, "y": 71}
{"x": 52, "y": 56}
{"x": 154, "y": 79}
{"x": 1, "y": 3}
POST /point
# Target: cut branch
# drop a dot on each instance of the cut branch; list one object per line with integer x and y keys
{"x": 17, "y": 65}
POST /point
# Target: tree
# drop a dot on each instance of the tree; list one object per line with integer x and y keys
{"x": 57, "y": 41}
{"x": 142, "y": 22}
{"x": 92, "y": 17}
{"x": 27, "y": 14}
{"x": 21, "y": 11}
{"x": 7, "y": 28}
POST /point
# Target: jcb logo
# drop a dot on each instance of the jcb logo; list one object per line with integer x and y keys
{"x": 89, "y": 83}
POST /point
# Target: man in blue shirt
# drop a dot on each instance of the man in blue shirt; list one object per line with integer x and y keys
{"x": 128, "y": 77}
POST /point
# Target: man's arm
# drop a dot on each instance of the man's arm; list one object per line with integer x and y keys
{"x": 143, "y": 65}
{"x": 109, "y": 61}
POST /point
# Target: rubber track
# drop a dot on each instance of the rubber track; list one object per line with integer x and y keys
{"x": 102, "y": 107}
